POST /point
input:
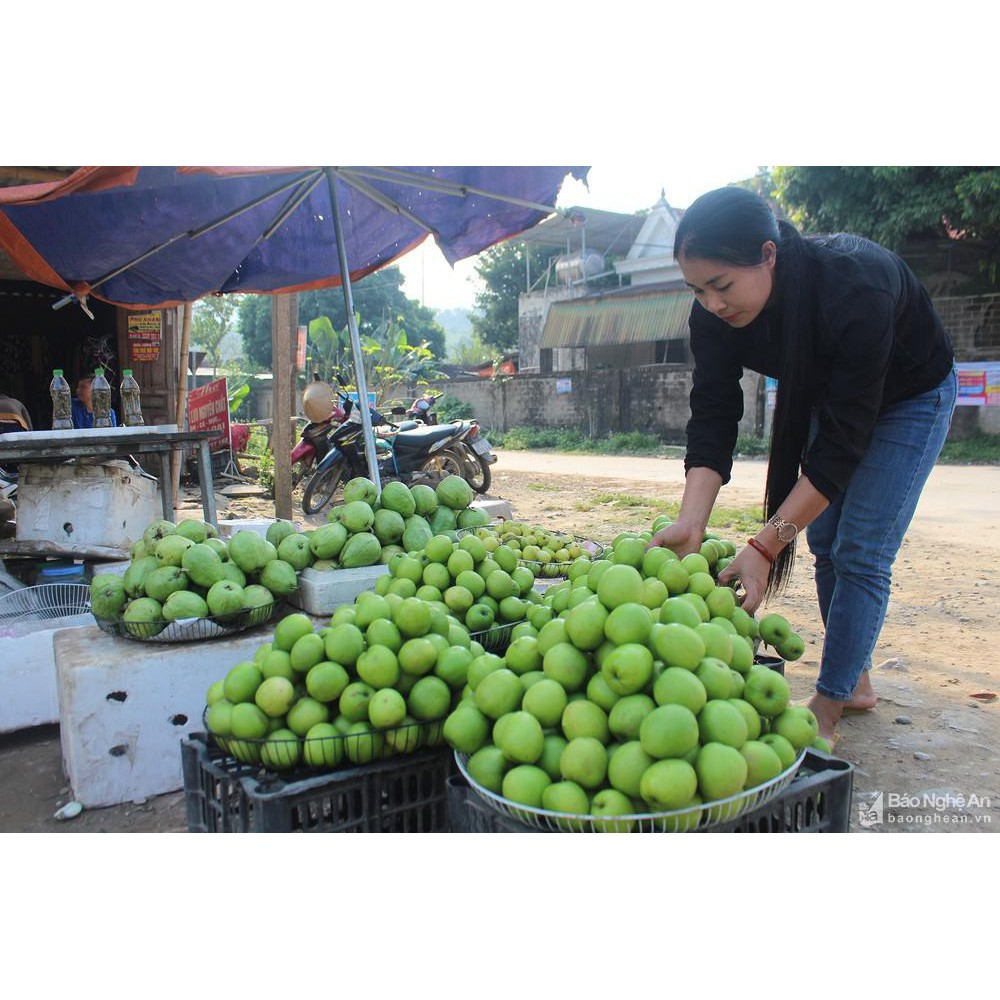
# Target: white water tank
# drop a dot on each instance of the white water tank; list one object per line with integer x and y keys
{"x": 571, "y": 268}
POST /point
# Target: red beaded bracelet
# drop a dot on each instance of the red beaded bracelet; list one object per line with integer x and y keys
{"x": 754, "y": 544}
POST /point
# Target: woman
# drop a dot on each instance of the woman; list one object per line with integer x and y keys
{"x": 866, "y": 390}
{"x": 83, "y": 405}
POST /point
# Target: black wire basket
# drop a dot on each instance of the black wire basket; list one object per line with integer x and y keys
{"x": 497, "y": 638}
{"x": 547, "y": 570}
{"x": 328, "y": 753}
{"x": 189, "y": 629}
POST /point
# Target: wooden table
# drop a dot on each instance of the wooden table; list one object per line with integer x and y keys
{"x": 55, "y": 447}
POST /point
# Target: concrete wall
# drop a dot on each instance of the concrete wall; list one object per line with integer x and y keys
{"x": 652, "y": 399}
{"x": 532, "y": 309}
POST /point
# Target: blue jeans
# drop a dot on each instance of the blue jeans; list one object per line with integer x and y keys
{"x": 856, "y": 539}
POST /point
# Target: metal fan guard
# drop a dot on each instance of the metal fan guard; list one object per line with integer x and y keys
{"x": 44, "y": 602}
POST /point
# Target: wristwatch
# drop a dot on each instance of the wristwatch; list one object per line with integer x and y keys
{"x": 785, "y": 530}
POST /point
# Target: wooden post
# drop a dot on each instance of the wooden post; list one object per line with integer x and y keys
{"x": 284, "y": 323}
{"x": 182, "y": 391}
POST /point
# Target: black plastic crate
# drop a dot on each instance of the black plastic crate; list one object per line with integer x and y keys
{"x": 404, "y": 794}
{"x": 817, "y": 801}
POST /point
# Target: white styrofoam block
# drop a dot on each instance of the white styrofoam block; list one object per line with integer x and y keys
{"x": 107, "y": 504}
{"x": 258, "y": 525}
{"x": 28, "y": 695}
{"x": 118, "y": 568}
{"x": 124, "y": 707}
{"x": 498, "y": 510}
{"x": 321, "y": 592}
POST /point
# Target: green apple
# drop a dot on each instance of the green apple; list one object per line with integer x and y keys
{"x": 763, "y": 763}
{"x": 626, "y": 767}
{"x": 520, "y": 737}
{"x": 774, "y": 629}
{"x": 668, "y": 785}
{"x": 566, "y": 797}
{"x": 721, "y": 770}
{"x": 545, "y": 700}
{"x": 584, "y": 718}
{"x": 781, "y": 746}
{"x": 669, "y": 731}
{"x": 791, "y": 648}
{"x": 797, "y": 724}
{"x": 716, "y": 677}
{"x": 628, "y": 713}
{"x": 750, "y": 716}
{"x": 767, "y": 691}
{"x": 629, "y": 668}
{"x": 525, "y": 784}
{"x": 608, "y": 804}
{"x": 720, "y": 722}
{"x": 585, "y": 761}
{"x": 499, "y": 693}
{"x": 466, "y": 729}
{"x": 488, "y": 766}
{"x": 677, "y": 686}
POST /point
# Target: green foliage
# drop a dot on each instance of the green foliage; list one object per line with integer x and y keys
{"x": 891, "y": 204}
{"x": 449, "y": 408}
{"x": 750, "y": 447}
{"x": 211, "y": 319}
{"x": 979, "y": 449}
{"x": 471, "y": 352}
{"x": 562, "y": 439}
{"x": 390, "y": 361}
{"x": 378, "y": 299}
{"x": 503, "y": 271}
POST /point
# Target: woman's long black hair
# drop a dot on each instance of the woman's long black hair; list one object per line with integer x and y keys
{"x": 731, "y": 225}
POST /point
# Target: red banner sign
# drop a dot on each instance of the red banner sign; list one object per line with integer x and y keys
{"x": 300, "y": 349}
{"x": 208, "y": 410}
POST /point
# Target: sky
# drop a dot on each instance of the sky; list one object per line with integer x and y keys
{"x": 613, "y": 187}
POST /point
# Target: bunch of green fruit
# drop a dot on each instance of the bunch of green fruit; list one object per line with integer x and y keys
{"x": 376, "y": 681}
{"x": 703, "y": 569}
{"x": 547, "y": 553}
{"x": 185, "y": 571}
{"x": 641, "y": 697}
{"x": 478, "y": 584}
{"x": 377, "y": 526}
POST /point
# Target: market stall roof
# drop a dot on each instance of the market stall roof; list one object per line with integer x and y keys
{"x": 157, "y": 236}
{"x": 635, "y": 316}
{"x": 605, "y": 232}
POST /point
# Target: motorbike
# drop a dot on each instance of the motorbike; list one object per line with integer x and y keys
{"x": 422, "y": 409}
{"x": 407, "y": 452}
{"x": 314, "y": 444}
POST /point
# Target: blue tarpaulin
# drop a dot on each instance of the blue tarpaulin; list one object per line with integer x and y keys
{"x": 74, "y": 233}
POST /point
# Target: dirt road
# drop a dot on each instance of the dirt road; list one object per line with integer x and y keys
{"x": 926, "y": 736}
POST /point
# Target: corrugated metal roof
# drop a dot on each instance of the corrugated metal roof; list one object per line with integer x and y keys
{"x": 635, "y": 318}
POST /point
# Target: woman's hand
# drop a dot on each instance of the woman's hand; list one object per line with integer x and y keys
{"x": 680, "y": 538}
{"x": 752, "y": 570}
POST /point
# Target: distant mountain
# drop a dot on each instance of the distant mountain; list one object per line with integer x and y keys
{"x": 457, "y": 326}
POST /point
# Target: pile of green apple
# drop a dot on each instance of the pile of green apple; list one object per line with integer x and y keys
{"x": 638, "y": 694}
{"x": 476, "y": 580}
{"x": 185, "y": 571}
{"x": 370, "y": 527}
{"x": 547, "y": 553}
{"x": 378, "y": 680}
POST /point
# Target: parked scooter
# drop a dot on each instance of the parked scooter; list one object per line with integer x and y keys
{"x": 314, "y": 444}
{"x": 417, "y": 454}
{"x": 422, "y": 408}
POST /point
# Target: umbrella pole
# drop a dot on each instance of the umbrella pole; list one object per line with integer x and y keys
{"x": 359, "y": 366}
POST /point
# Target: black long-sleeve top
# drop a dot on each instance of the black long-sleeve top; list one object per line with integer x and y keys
{"x": 875, "y": 340}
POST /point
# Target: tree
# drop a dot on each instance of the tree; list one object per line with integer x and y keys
{"x": 211, "y": 321}
{"x": 893, "y": 205}
{"x": 503, "y": 271}
{"x": 378, "y": 299}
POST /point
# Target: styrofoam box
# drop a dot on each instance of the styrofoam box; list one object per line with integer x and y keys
{"x": 498, "y": 510}
{"x": 125, "y": 705}
{"x": 258, "y": 525}
{"x": 28, "y": 671}
{"x": 107, "y": 504}
{"x": 321, "y": 592}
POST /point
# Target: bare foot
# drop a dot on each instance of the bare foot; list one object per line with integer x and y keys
{"x": 827, "y": 712}
{"x": 864, "y": 696}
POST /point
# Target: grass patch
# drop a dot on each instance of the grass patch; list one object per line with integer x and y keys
{"x": 980, "y": 449}
{"x": 740, "y": 519}
{"x": 540, "y": 438}
{"x": 543, "y": 486}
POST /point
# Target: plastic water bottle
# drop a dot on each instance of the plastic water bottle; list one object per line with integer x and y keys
{"x": 101, "y": 399}
{"x": 131, "y": 407}
{"x": 62, "y": 404}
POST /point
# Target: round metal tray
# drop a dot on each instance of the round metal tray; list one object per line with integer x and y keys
{"x": 694, "y": 818}
{"x": 189, "y": 629}
{"x": 373, "y": 743}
